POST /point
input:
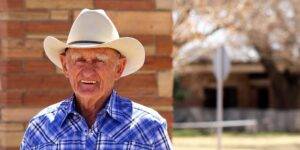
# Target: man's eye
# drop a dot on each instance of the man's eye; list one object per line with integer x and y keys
{"x": 80, "y": 60}
{"x": 99, "y": 60}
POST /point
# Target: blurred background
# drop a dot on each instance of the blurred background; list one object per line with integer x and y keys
{"x": 181, "y": 37}
{"x": 262, "y": 40}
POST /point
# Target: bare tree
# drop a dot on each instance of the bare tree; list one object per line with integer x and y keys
{"x": 267, "y": 25}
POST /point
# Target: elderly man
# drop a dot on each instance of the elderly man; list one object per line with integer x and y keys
{"x": 95, "y": 116}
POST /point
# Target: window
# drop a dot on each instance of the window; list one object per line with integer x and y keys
{"x": 230, "y": 97}
{"x": 262, "y": 98}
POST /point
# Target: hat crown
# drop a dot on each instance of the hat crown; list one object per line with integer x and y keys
{"x": 92, "y": 25}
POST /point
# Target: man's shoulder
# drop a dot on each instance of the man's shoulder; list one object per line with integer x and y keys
{"x": 49, "y": 111}
{"x": 144, "y": 124}
{"x": 144, "y": 112}
{"x": 139, "y": 112}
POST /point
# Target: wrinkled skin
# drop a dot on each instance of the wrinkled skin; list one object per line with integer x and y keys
{"x": 92, "y": 73}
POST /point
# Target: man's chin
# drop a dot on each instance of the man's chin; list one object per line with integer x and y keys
{"x": 87, "y": 91}
{"x": 87, "y": 94}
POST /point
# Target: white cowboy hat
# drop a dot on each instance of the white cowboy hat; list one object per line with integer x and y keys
{"x": 94, "y": 29}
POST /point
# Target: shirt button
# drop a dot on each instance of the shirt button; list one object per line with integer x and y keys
{"x": 90, "y": 132}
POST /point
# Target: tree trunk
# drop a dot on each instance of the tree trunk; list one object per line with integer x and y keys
{"x": 285, "y": 86}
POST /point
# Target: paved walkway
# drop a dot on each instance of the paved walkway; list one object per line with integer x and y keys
{"x": 239, "y": 142}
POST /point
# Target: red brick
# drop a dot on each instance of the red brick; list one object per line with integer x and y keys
{"x": 22, "y": 54}
{"x": 9, "y": 148}
{"x": 11, "y": 98}
{"x": 44, "y": 98}
{"x": 39, "y": 66}
{"x": 48, "y": 27}
{"x": 34, "y": 44}
{"x": 144, "y": 39}
{"x": 10, "y": 66}
{"x": 3, "y": 5}
{"x": 2, "y": 29}
{"x": 138, "y": 80}
{"x": 12, "y": 43}
{"x": 11, "y": 29}
{"x": 11, "y": 5}
{"x": 125, "y": 4}
{"x": 157, "y": 63}
{"x": 168, "y": 115}
{"x": 138, "y": 85}
{"x": 33, "y": 81}
{"x": 153, "y": 101}
{"x": 164, "y": 45}
{"x": 139, "y": 91}
{"x": 15, "y": 29}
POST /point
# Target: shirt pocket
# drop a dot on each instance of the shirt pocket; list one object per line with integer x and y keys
{"x": 137, "y": 146}
{"x": 131, "y": 145}
{"x": 48, "y": 146}
{"x": 60, "y": 145}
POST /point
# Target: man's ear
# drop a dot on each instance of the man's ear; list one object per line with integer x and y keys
{"x": 120, "y": 67}
{"x": 63, "y": 61}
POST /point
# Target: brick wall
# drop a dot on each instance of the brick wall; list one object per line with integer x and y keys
{"x": 28, "y": 80}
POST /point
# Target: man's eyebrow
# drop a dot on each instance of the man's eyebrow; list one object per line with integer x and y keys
{"x": 101, "y": 56}
{"x": 75, "y": 55}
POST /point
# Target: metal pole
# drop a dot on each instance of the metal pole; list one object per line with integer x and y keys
{"x": 220, "y": 114}
{"x": 220, "y": 102}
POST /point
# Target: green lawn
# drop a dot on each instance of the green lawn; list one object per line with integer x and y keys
{"x": 197, "y": 140}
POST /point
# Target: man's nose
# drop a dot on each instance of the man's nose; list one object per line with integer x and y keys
{"x": 88, "y": 69}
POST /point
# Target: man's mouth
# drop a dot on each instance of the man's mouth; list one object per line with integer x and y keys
{"x": 88, "y": 81}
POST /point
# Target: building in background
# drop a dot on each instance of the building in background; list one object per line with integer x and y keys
{"x": 29, "y": 82}
{"x": 262, "y": 39}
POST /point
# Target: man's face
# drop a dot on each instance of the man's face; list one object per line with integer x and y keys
{"x": 92, "y": 72}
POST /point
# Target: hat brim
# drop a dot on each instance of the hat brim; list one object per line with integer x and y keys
{"x": 129, "y": 47}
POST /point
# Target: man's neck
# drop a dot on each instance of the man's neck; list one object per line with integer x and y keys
{"x": 89, "y": 108}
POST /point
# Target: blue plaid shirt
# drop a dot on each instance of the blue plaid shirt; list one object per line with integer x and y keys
{"x": 122, "y": 124}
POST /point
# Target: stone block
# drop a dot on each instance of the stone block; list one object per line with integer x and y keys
{"x": 24, "y": 16}
{"x": 165, "y": 83}
{"x": 164, "y": 4}
{"x": 59, "y": 15}
{"x": 58, "y": 4}
{"x": 18, "y": 114}
{"x": 10, "y": 139}
{"x": 4, "y": 127}
{"x": 149, "y": 49}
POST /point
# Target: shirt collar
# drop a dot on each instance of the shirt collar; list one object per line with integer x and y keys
{"x": 67, "y": 107}
{"x": 112, "y": 107}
